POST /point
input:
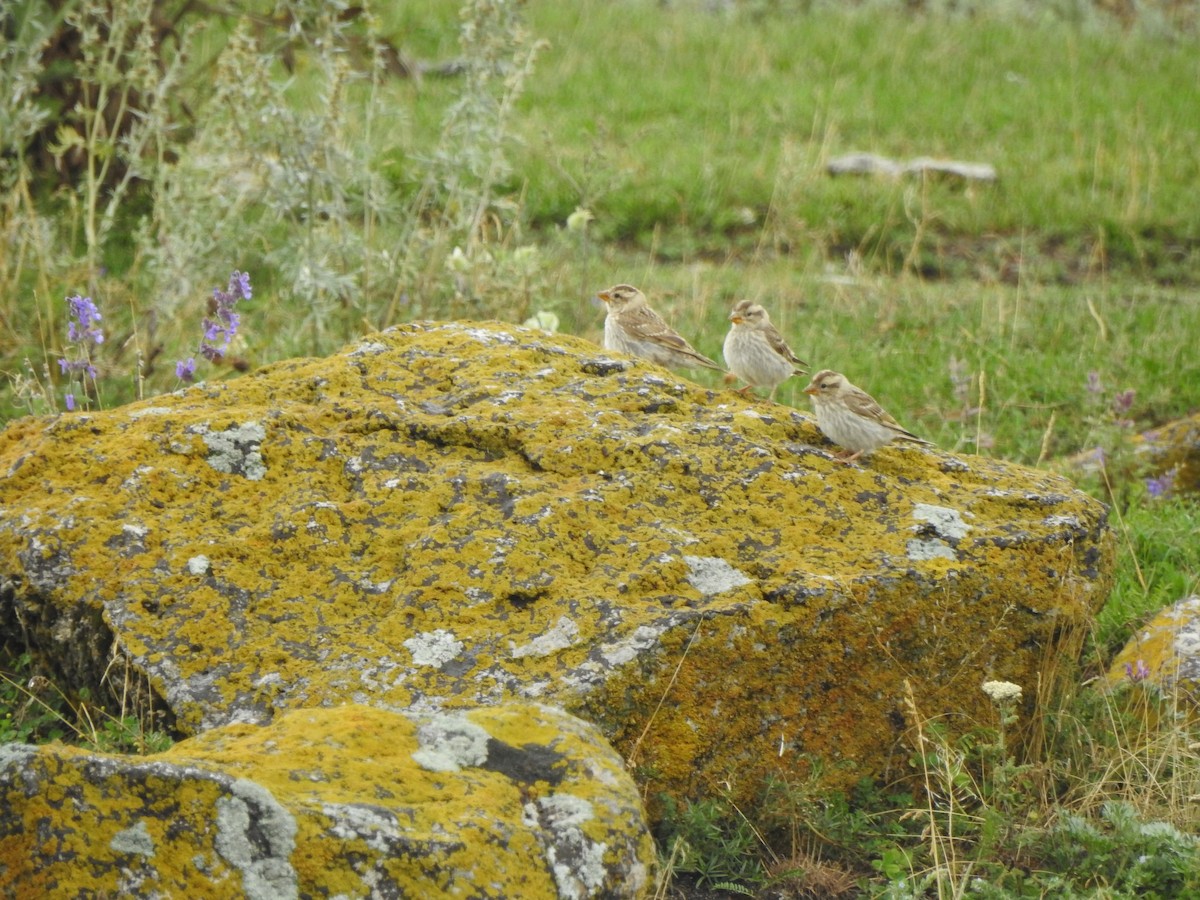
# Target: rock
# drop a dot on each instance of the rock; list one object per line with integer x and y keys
{"x": 1165, "y": 652}
{"x": 873, "y": 164}
{"x": 1172, "y": 452}
{"x": 456, "y": 515}
{"x": 513, "y": 801}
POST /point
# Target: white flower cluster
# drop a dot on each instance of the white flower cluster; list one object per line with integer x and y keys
{"x": 1002, "y": 691}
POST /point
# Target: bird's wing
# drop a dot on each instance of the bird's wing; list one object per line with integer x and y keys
{"x": 646, "y": 325}
{"x": 779, "y": 345}
{"x": 865, "y": 405}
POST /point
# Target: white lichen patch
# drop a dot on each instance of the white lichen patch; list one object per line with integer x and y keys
{"x": 576, "y": 861}
{"x": 367, "y": 346}
{"x": 1061, "y": 521}
{"x": 1186, "y": 642}
{"x": 135, "y": 840}
{"x": 236, "y": 450}
{"x": 948, "y": 523}
{"x": 711, "y": 575}
{"x": 920, "y": 550}
{"x": 433, "y": 648}
{"x": 485, "y": 337}
{"x": 375, "y": 827}
{"x": 199, "y": 565}
{"x": 560, "y": 636}
{"x": 643, "y": 638}
{"x": 150, "y": 411}
{"x": 257, "y": 835}
{"x": 447, "y": 743}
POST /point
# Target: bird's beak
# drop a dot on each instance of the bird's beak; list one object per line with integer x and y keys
{"x": 812, "y": 389}
{"x": 605, "y": 296}
{"x": 736, "y": 319}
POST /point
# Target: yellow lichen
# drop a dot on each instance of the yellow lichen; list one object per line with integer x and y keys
{"x": 439, "y": 500}
{"x": 368, "y": 814}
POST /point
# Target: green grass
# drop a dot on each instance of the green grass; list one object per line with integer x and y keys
{"x": 662, "y": 118}
{"x": 1002, "y": 319}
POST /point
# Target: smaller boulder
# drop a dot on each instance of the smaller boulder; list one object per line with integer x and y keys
{"x": 520, "y": 800}
{"x": 1173, "y": 453}
{"x": 1165, "y": 652}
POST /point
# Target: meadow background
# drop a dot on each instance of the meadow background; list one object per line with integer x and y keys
{"x": 374, "y": 164}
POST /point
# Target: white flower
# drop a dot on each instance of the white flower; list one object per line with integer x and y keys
{"x": 1002, "y": 691}
{"x": 578, "y": 220}
{"x": 457, "y": 261}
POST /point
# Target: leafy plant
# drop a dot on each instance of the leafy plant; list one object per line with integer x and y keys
{"x": 709, "y": 841}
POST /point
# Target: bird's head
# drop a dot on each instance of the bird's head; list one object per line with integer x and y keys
{"x": 746, "y": 312}
{"x": 621, "y": 296}
{"x": 825, "y": 383}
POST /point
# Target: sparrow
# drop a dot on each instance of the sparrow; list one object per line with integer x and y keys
{"x": 632, "y": 327}
{"x": 850, "y": 417}
{"x": 756, "y": 352}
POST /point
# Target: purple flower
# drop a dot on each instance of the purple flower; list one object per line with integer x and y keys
{"x": 1123, "y": 401}
{"x": 71, "y": 366}
{"x": 1093, "y": 382}
{"x": 242, "y": 281}
{"x": 82, "y": 331}
{"x": 1141, "y": 673}
{"x": 224, "y": 324}
{"x": 1162, "y": 485}
{"x": 84, "y": 316}
{"x": 220, "y": 326}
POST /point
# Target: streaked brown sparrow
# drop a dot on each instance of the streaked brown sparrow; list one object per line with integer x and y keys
{"x": 851, "y": 418}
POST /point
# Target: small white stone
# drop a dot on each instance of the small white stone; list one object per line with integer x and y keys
{"x": 711, "y": 575}
{"x": 433, "y": 648}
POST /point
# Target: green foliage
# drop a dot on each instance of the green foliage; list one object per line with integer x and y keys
{"x": 34, "y": 709}
{"x": 23, "y": 717}
{"x": 1121, "y": 852}
{"x": 1160, "y": 564}
{"x": 710, "y": 841}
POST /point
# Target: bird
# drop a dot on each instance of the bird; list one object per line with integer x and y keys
{"x": 851, "y": 418}
{"x": 632, "y": 327}
{"x": 756, "y": 352}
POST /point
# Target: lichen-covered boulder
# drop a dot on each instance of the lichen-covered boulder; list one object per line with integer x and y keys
{"x": 1172, "y": 452}
{"x": 1165, "y": 652}
{"x": 517, "y": 800}
{"x": 450, "y": 515}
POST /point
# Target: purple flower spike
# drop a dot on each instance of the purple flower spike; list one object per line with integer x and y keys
{"x": 84, "y": 315}
{"x": 221, "y": 324}
{"x": 1093, "y": 382}
{"x": 70, "y": 401}
{"x": 1123, "y": 401}
{"x": 240, "y": 281}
